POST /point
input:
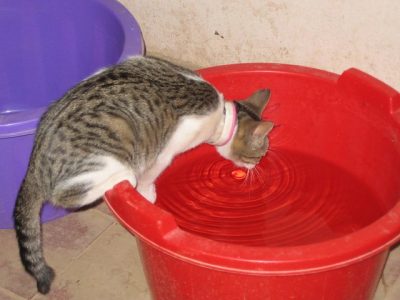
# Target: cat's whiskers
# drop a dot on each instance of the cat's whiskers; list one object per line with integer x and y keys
{"x": 274, "y": 151}
{"x": 250, "y": 183}
{"x": 257, "y": 172}
{"x": 245, "y": 181}
{"x": 251, "y": 176}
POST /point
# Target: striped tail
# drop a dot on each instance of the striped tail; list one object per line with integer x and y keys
{"x": 28, "y": 228}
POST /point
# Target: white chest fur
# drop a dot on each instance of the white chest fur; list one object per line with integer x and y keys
{"x": 190, "y": 132}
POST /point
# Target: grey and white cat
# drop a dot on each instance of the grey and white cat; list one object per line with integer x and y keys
{"x": 127, "y": 122}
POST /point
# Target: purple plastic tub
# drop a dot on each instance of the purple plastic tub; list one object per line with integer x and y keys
{"x": 46, "y": 47}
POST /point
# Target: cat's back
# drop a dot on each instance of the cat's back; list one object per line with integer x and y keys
{"x": 146, "y": 95}
{"x": 180, "y": 87}
{"x": 139, "y": 82}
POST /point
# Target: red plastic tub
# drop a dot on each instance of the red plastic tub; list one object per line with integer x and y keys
{"x": 314, "y": 221}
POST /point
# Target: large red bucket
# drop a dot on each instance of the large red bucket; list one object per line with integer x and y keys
{"x": 325, "y": 212}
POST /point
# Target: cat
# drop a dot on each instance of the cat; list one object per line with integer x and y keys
{"x": 127, "y": 122}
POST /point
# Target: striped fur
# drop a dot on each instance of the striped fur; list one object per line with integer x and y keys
{"x": 126, "y": 122}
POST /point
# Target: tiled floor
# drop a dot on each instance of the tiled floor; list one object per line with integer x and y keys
{"x": 94, "y": 257}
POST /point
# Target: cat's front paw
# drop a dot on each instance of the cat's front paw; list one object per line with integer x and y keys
{"x": 149, "y": 192}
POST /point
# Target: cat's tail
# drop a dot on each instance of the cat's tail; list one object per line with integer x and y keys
{"x": 28, "y": 228}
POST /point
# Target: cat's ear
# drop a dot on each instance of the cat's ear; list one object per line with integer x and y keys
{"x": 259, "y": 100}
{"x": 262, "y": 129}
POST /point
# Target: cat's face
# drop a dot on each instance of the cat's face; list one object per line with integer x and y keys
{"x": 250, "y": 142}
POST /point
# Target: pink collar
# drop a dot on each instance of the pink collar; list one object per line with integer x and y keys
{"x": 230, "y": 122}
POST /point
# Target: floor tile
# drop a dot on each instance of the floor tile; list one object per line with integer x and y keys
{"x": 109, "y": 269}
{"x": 12, "y": 274}
{"x": 389, "y": 285}
{"x": 64, "y": 240}
{"x": 102, "y": 206}
{"x": 8, "y": 295}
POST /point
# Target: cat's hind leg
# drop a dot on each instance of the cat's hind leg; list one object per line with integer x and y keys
{"x": 90, "y": 186}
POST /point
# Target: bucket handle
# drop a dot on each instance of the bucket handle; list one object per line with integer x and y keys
{"x": 370, "y": 89}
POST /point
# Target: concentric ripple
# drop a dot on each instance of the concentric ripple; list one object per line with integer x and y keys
{"x": 289, "y": 199}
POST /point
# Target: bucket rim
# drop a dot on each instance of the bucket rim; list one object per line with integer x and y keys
{"x": 157, "y": 228}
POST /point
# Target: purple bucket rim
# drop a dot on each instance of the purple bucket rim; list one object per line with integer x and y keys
{"x": 134, "y": 43}
{"x": 20, "y": 123}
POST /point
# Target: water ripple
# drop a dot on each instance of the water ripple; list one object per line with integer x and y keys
{"x": 289, "y": 199}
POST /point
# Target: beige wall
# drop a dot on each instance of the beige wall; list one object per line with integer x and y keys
{"x": 328, "y": 34}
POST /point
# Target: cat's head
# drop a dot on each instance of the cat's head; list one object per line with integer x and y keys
{"x": 250, "y": 141}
